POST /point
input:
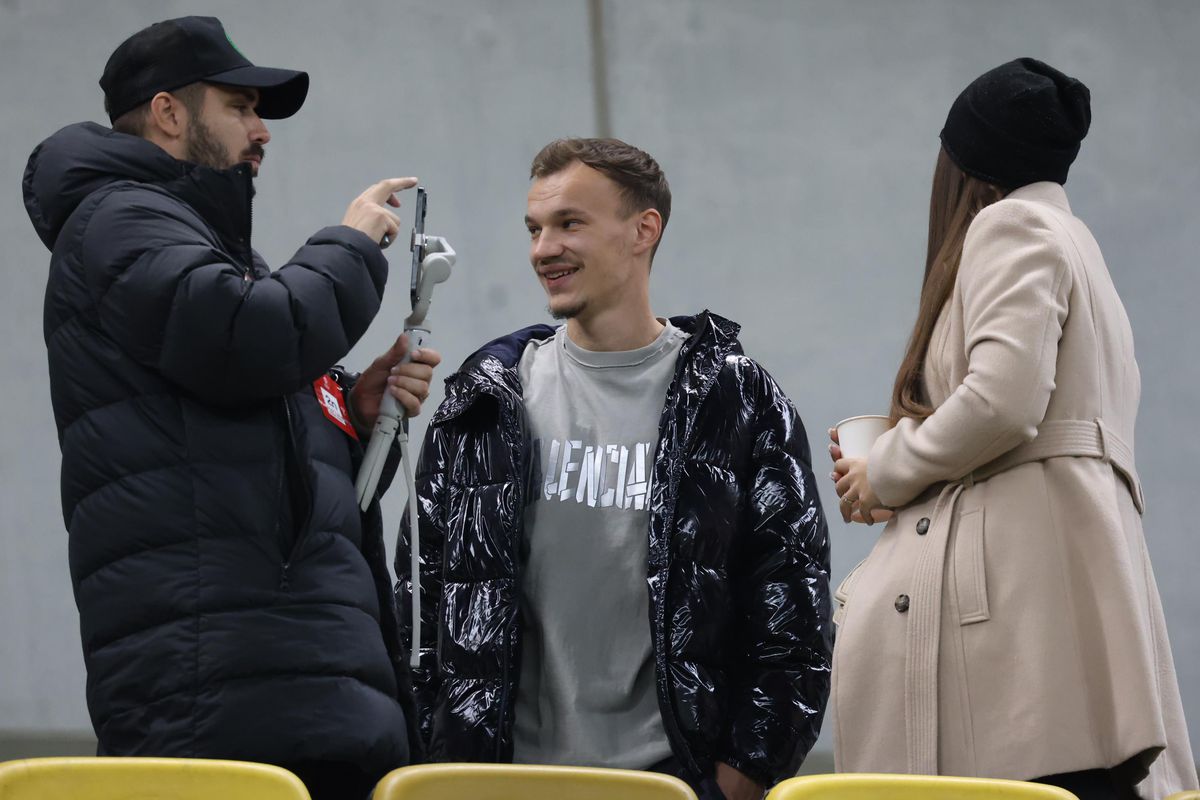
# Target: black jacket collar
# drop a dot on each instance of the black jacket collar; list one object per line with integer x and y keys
{"x": 222, "y": 198}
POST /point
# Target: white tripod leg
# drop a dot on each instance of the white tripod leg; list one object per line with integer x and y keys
{"x": 389, "y": 421}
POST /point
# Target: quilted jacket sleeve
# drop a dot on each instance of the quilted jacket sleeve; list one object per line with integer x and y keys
{"x": 179, "y": 305}
{"x": 780, "y": 684}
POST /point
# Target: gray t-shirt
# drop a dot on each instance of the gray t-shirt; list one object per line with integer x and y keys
{"x": 587, "y": 694}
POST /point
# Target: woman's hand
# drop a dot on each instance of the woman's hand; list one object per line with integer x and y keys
{"x": 858, "y": 502}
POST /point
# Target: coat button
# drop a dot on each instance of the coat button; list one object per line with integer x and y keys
{"x": 923, "y": 526}
{"x": 902, "y": 603}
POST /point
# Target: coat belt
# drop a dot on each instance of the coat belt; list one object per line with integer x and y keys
{"x": 1070, "y": 437}
{"x": 1055, "y": 439}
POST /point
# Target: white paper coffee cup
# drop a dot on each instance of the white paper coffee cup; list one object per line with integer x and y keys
{"x": 857, "y": 434}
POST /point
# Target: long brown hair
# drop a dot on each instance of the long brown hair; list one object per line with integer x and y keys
{"x": 953, "y": 203}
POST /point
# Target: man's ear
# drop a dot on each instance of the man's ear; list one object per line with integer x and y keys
{"x": 167, "y": 117}
{"x": 649, "y": 230}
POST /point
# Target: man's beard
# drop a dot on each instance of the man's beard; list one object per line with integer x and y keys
{"x": 564, "y": 312}
{"x": 203, "y": 148}
{"x": 568, "y": 312}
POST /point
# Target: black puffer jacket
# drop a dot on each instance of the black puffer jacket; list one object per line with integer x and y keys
{"x": 737, "y": 575}
{"x": 233, "y": 602}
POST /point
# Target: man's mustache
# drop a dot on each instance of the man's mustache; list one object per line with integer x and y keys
{"x": 255, "y": 149}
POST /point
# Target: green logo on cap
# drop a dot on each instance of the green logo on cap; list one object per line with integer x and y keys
{"x": 234, "y": 46}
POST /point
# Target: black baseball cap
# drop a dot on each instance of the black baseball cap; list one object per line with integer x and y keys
{"x": 177, "y": 52}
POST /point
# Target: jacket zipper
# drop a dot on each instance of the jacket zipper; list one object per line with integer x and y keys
{"x": 515, "y": 554}
{"x": 280, "y": 537}
{"x": 290, "y": 447}
{"x": 671, "y": 718}
{"x": 301, "y": 523}
{"x": 249, "y": 222}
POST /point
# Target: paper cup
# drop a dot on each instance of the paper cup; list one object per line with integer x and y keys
{"x": 857, "y": 434}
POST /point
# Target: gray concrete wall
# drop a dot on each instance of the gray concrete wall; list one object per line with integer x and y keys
{"x": 799, "y": 139}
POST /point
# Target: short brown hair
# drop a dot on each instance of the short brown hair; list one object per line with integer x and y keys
{"x": 642, "y": 182}
{"x": 133, "y": 121}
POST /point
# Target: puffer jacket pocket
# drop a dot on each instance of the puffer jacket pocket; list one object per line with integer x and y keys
{"x": 842, "y": 594}
{"x": 970, "y": 573}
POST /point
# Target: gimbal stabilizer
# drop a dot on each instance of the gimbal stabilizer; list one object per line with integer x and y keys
{"x": 432, "y": 262}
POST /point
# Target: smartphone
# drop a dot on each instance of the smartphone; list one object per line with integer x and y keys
{"x": 417, "y": 243}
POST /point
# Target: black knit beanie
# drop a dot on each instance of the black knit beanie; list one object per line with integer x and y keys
{"x": 1018, "y": 123}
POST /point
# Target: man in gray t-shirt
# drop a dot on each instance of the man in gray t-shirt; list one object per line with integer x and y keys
{"x": 593, "y": 417}
{"x": 624, "y": 562}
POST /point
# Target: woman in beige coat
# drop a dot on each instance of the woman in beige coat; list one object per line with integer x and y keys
{"x": 1007, "y": 623}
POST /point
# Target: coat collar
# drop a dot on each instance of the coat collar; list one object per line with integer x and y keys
{"x": 1043, "y": 192}
{"x": 222, "y": 197}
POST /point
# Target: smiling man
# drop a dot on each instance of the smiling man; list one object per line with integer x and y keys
{"x": 625, "y": 559}
{"x": 233, "y": 602}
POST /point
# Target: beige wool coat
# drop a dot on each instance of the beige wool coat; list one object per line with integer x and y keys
{"x": 1007, "y": 622}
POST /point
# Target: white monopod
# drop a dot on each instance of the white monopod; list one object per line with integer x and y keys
{"x": 432, "y": 262}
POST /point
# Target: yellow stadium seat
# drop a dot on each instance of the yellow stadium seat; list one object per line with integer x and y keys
{"x": 856, "y": 786}
{"x": 1190, "y": 794}
{"x": 527, "y": 782}
{"x": 103, "y": 778}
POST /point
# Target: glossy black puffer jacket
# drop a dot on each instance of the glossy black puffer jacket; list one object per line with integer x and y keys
{"x": 737, "y": 575}
{"x": 233, "y": 601}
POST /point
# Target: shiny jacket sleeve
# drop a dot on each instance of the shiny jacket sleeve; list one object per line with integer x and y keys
{"x": 1014, "y": 281}
{"x": 181, "y": 306}
{"x": 780, "y": 676}
{"x": 432, "y": 500}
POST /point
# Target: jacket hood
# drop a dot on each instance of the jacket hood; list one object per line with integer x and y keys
{"x": 78, "y": 160}
{"x": 508, "y": 348}
{"x": 726, "y": 330}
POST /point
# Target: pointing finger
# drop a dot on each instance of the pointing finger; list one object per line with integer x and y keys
{"x": 385, "y": 189}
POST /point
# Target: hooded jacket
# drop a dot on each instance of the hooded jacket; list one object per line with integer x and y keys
{"x": 737, "y": 573}
{"x": 233, "y": 602}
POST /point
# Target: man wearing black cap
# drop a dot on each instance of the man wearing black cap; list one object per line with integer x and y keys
{"x": 233, "y": 602}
